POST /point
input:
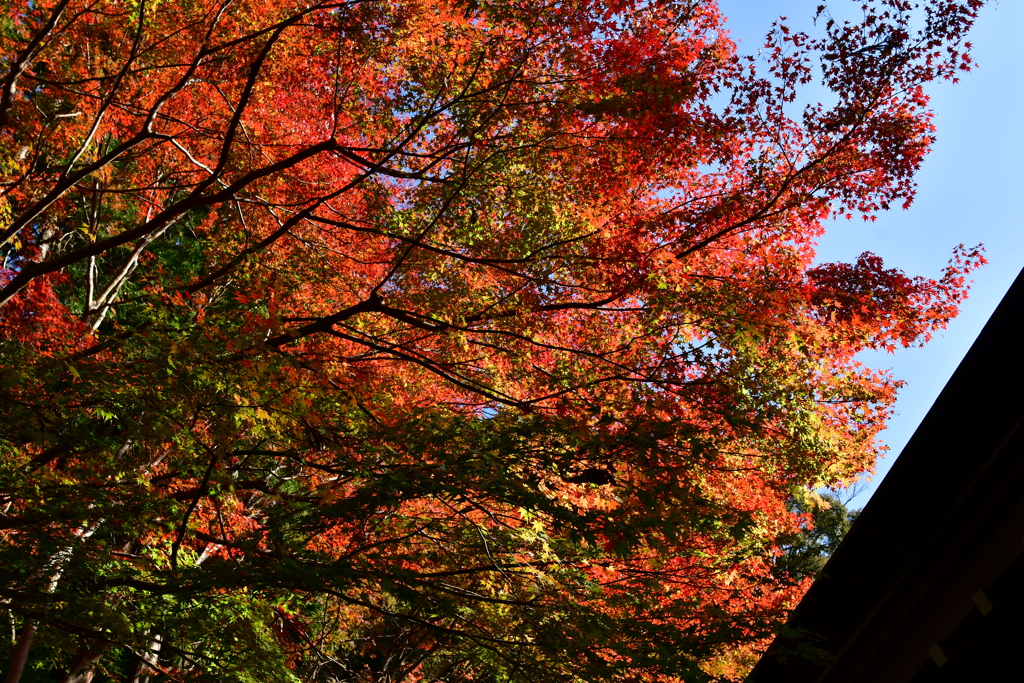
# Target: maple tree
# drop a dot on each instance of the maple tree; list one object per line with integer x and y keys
{"x": 394, "y": 340}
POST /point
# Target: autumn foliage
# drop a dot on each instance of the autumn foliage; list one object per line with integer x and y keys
{"x": 396, "y": 340}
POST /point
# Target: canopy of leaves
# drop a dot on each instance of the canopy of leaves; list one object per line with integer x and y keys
{"x": 805, "y": 552}
{"x": 407, "y": 340}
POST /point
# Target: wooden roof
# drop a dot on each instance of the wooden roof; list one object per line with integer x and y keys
{"x": 928, "y": 585}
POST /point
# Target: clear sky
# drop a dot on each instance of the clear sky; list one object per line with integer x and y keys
{"x": 971, "y": 190}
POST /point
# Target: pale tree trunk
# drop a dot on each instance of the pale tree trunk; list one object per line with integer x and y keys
{"x": 19, "y": 655}
{"x": 97, "y": 307}
{"x": 81, "y": 669}
{"x": 145, "y": 664}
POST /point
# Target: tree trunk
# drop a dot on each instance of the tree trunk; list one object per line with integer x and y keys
{"x": 19, "y": 655}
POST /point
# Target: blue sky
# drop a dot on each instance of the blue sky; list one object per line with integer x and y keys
{"x": 971, "y": 190}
